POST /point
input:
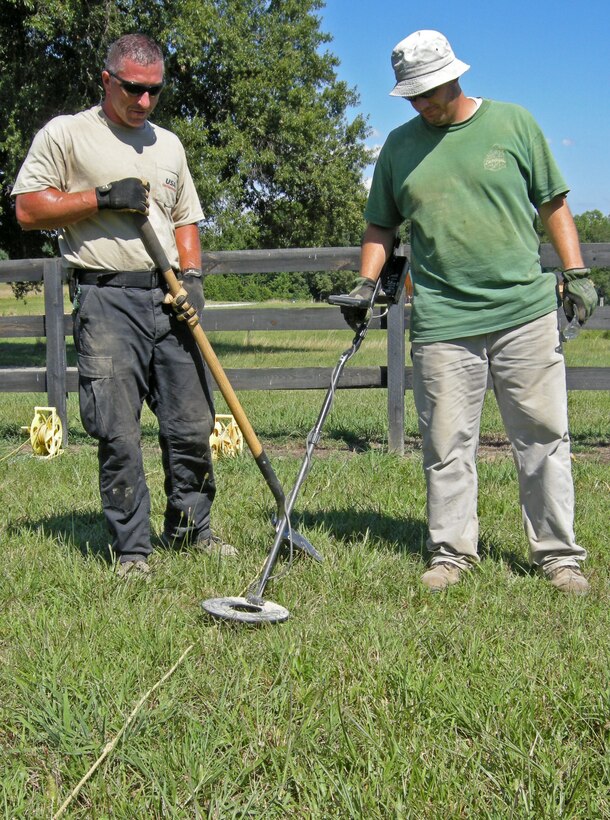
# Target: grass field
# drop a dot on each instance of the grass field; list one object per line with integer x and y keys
{"x": 374, "y": 700}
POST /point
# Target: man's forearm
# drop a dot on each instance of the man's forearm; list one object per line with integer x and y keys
{"x": 189, "y": 246}
{"x": 376, "y": 247}
{"x": 50, "y": 209}
{"x": 559, "y": 225}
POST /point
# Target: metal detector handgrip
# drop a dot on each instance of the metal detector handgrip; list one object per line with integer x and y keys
{"x": 159, "y": 257}
{"x": 393, "y": 277}
{"x": 344, "y": 300}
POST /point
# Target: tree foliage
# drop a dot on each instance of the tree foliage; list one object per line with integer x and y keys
{"x": 253, "y": 94}
{"x": 593, "y": 226}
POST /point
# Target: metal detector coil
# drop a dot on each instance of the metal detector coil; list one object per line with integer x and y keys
{"x": 244, "y": 611}
{"x": 45, "y": 432}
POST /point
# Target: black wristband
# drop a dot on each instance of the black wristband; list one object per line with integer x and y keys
{"x": 102, "y": 196}
{"x": 191, "y": 272}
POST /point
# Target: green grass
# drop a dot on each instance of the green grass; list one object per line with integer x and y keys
{"x": 374, "y": 700}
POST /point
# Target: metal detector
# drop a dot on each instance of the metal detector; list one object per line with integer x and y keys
{"x": 254, "y": 609}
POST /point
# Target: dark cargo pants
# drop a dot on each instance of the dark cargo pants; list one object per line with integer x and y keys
{"x": 132, "y": 349}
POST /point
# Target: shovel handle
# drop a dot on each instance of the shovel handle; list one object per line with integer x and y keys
{"x": 159, "y": 257}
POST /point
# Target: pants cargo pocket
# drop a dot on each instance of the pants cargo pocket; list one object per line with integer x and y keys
{"x": 95, "y": 393}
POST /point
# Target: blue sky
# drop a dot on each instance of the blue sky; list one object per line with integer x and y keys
{"x": 552, "y": 57}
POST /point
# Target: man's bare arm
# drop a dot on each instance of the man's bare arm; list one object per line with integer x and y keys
{"x": 49, "y": 209}
{"x": 376, "y": 248}
{"x": 189, "y": 246}
{"x": 559, "y": 225}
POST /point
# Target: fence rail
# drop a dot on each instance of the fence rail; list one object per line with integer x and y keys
{"x": 56, "y": 379}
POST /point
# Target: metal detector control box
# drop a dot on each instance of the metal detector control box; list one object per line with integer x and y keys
{"x": 393, "y": 278}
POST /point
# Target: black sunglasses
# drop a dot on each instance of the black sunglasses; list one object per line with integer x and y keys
{"x": 425, "y": 96}
{"x": 137, "y": 89}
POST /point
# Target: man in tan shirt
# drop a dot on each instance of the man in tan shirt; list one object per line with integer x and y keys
{"x": 83, "y": 176}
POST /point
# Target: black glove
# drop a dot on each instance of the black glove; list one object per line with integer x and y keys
{"x": 130, "y": 194}
{"x": 192, "y": 282}
{"x": 579, "y": 294}
{"x": 192, "y": 301}
{"x": 364, "y": 290}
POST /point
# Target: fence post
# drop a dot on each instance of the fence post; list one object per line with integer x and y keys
{"x": 396, "y": 377}
{"x": 56, "y": 344}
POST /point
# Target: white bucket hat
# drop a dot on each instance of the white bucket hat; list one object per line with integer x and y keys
{"x": 422, "y": 61}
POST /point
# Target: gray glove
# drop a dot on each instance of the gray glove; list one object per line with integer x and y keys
{"x": 579, "y": 294}
{"x": 364, "y": 290}
{"x": 130, "y": 194}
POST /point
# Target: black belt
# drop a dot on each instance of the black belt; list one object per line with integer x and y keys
{"x": 147, "y": 279}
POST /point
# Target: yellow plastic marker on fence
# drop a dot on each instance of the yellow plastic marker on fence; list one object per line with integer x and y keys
{"x": 45, "y": 432}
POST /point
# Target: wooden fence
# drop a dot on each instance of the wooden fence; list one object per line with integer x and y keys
{"x": 57, "y": 379}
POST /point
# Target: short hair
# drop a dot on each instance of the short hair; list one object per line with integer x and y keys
{"x": 137, "y": 47}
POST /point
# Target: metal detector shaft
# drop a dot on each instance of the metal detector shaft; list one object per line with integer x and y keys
{"x": 159, "y": 257}
{"x": 283, "y": 530}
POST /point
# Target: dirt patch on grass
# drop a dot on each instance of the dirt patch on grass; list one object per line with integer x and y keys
{"x": 489, "y": 449}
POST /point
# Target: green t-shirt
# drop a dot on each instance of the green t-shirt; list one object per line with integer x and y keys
{"x": 470, "y": 190}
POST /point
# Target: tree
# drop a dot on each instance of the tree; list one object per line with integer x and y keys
{"x": 252, "y": 93}
{"x": 593, "y": 226}
{"x": 45, "y": 70}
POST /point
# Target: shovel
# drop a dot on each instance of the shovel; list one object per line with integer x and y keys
{"x": 253, "y": 609}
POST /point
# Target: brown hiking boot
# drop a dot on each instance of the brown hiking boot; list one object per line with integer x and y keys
{"x": 210, "y": 545}
{"x": 133, "y": 569}
{"x": 440, "y": 576}
{"x": 569, "y": 580}
{"x": 213, "y": 545}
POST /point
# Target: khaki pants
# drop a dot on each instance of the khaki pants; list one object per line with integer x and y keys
{"x": 528, "y": 375}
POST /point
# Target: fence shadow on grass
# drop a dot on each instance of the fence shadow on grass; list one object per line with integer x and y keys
{"x": 84, "y": 532}
{"x": 490, "y": 549}
{"x": 355, "y": 443}
{"x": 87, "y": 533}
{"x": 24, "y": 354}
{"x": 404, "y": 535}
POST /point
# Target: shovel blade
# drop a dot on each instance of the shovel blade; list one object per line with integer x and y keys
{"x": 299, "y": 542}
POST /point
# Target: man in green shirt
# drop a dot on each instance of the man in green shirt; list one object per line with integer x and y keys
{"x": 470, "y": 174}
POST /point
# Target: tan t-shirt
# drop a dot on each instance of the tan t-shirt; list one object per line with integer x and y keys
{"x": 82, "y": 151}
